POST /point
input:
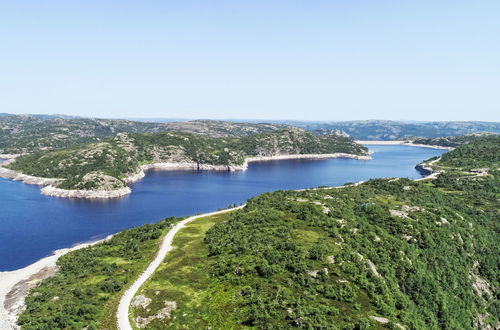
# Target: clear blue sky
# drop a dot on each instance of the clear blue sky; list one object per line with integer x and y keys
{"x": 313, "y": 60}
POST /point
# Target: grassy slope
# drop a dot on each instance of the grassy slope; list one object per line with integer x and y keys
{"x": 184, "y": 277}
{"x": 253, "y": 268}
{"x": 428, "y": 256}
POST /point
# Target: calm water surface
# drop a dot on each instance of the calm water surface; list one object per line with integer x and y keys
{"x": 33, "y": 225}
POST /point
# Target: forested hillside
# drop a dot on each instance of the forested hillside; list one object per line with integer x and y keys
{"x": 389, "y": 253}
{"x": 386, "y": 253}
{"x": 26, "y": 133}
{"x": 105, "y": 165}
{"x": 29, "y": 133}
{"x": 478, "y": 153}
{"x": 450, "y": 141}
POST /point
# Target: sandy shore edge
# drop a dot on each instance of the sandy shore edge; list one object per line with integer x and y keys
{"x": 9, "y": 156}
{"x": 50, "y": 190}
{"x": 9, "y": 279}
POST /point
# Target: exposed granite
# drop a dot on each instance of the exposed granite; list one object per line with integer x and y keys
{"x": 90, "y": 194}
{"x": 29, "y": 179}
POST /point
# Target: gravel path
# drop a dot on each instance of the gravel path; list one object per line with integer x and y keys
{"x": 124, "y": 306}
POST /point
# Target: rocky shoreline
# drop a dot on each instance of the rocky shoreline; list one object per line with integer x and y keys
{"x": 28, "y": 179}
{"x": 75, "y": 193}
{"x": 15, "y": 285}
{"x": 427, "y": 170}
{"x": 233, "y": 168}
{"x": 50, "y": 190}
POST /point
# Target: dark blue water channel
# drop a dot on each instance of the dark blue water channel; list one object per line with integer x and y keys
{"x": 33, "y": 225}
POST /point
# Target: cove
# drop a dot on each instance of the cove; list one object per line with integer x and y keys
{"x": 33, "y": 225}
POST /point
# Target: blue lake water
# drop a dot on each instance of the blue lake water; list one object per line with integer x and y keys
{"x": 33, "y": 225}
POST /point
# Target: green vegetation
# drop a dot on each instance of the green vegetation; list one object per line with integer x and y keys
{"x": 450, "y": 141}
{"x": 184, "y": 277}
{"x": 30, "y": 133}
{"x": 422, "y": 255}
{"x": 25, "y": 133}
{"x": 86, "y": 290}
{"x": 401, "y": 250}
{"x": 483, "y": 152}
{"x": 106, "y": 164}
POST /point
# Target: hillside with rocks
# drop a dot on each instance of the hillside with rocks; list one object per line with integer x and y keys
{"x": 450, "y": 141}
{"x": 20, "y": 134}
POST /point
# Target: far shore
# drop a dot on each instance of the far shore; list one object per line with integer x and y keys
{"x": 50, "y": 190}
{"x": 406, "y": 143}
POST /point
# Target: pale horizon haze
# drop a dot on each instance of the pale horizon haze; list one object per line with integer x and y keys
{"x": 294, "y": 60}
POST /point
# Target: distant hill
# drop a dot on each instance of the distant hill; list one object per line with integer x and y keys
{"x": 29, "y": 133}
{"x": 396, "y": 130}
{"x": 384, "y": 129}
{"x": 218, "y": 128}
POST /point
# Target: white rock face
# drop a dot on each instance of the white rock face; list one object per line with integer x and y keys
{"x": 103, "y": 181}
{"x": 16, "y": 176}
{"x": 141, "y": 300}
{"x": 50, "y": 190}
{"x": 9, "y": 156}
{"x": 102, "y": 194}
